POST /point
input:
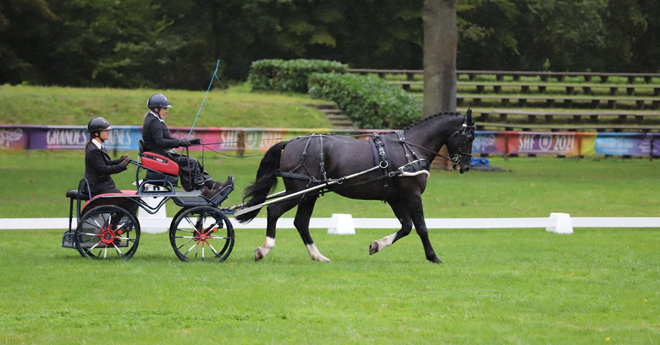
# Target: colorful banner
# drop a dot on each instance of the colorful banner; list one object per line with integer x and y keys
{"x": 125, "y": 138}
{"x": 629, "y": 144}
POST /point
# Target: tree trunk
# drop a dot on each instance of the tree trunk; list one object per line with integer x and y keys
{"x": 440, "y": 42}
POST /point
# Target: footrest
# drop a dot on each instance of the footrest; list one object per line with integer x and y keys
{"x": 223, "y": 194}
{"x": 183, "y": 200}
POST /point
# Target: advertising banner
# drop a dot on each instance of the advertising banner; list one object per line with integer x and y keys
{"x": 240, "y": 140}
{"x": 630, "y": 144}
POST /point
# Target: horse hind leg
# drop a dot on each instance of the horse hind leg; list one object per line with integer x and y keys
{"x": 406, "y": 226}
{"x": 274, "y": 213}
{"x": 303, "y": 216}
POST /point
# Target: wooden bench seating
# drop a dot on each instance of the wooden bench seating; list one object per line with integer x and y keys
{"x": 499, "y": 75}
{"x": 553, "y": 101}
{"x": 566, "y": 128}
{"x": 577, "y": 116}
{"x": 543, "y": 87}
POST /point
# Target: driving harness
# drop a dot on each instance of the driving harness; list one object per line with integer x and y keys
{"x": 414, "y": 166}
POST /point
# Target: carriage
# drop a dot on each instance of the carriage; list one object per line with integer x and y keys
{"x": 392, "y": 168}
{"x": 107, "y": 226}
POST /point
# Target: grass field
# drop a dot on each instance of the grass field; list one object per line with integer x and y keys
{"x": 523, "y": 286}
{"x": 534, "y": 188}
{"x": 234, "y": 107}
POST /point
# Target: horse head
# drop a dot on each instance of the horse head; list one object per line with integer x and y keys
{"x": 459, "y": 144}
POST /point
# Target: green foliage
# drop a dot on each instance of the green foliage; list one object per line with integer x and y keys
{"x": 175, "y": 44}
{"x": 289, "y": 75}
{"x": 369, "y": 102}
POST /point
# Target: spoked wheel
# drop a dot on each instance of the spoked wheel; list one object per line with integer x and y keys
{"x": 202, "y": 233}
{"x": 108, "y": 232}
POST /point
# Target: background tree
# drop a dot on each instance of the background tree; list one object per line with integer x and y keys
{"x": 440, "y": 43}
{"x": 174, "y": 44}
{"x": 24, "y": 40}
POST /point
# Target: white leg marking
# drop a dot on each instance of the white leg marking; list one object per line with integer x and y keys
{"x": 386, "y": 241}
{"x": 315, "y": 254}
{"x": 267, "y": 246}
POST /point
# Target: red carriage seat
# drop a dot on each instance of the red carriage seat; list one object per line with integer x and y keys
{"x": 159, "y": 163}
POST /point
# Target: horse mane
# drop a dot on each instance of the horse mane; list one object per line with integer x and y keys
{"x": 432, "y": 117}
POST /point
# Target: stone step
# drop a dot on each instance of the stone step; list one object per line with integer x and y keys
{"x": 343, "y": 124}
{"x": 330, "y": 111}
{"x": 322, "y": 106}
{"x": 334, "y": 115}
{"x": 337, "y": 117}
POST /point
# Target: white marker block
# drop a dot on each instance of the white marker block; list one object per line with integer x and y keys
{"x": 157, "y": 218}
{"x": 560, "y": 223}
{"x": 343, "y": 225}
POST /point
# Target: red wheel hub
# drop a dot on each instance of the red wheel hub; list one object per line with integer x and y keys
{"x": 107, "y": 236}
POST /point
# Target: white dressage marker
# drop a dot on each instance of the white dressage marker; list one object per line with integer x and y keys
{"x": 562, "y": 223}
{"x": 344, "y": 225}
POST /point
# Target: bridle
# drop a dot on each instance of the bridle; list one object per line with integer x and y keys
{"x": 466, "y": 132}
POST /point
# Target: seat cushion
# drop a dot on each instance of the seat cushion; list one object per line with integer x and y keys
{"x": 73, "y": 193}
{"x": 160, "y": 163}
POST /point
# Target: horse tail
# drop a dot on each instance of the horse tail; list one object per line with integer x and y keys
{"x": 265, "y": 183}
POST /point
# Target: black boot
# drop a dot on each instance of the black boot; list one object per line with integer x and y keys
{"x": 209, "y": 193}
{"x": 230, "y": 180}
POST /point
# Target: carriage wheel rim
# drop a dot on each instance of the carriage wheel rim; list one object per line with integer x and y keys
{"x": 100, "y": 236}
{"x": 195, "y": 240}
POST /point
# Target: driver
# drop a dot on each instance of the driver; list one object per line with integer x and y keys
{"x": 157, "y": 139}
{"x": 98, "y": 165}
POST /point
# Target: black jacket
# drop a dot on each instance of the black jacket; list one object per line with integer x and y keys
{"x": 98, "y": 167}
{"x": 156, "y": 136}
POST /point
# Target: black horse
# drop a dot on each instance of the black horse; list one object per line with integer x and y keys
{"x": 391, "y": 167}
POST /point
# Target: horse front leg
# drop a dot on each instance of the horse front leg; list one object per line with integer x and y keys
{"x": 402, "y": 214}
{"x": 303, "y": 216}
{"x": 417, "y": 214}
{"x": 274, "y": 213}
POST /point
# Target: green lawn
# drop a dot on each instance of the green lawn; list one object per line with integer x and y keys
{"x": 496, "y": 286}
{"x": 508, "y": 286}
{"x": 534, "y": 187}
{"x": 234, "y": 107}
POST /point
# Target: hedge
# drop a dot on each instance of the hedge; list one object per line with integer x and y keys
{"x": 369, "y": 102}
{"x": 289, "y": 75}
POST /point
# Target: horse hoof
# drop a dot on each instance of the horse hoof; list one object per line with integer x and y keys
{"x": 321, "y": 259}
{"x": 257, "y": 255}
{"x": 373, "y": 248}
{"x": 436, "y": 260}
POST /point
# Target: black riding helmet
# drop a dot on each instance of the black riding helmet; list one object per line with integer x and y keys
{"x": 158, "y": 101}
{"x": 98, "y": 124}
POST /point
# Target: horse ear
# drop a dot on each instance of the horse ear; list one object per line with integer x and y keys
{"x": 470, "y": 119}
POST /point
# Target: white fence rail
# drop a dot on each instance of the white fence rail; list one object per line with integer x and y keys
{"x": 341, "y": 224}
